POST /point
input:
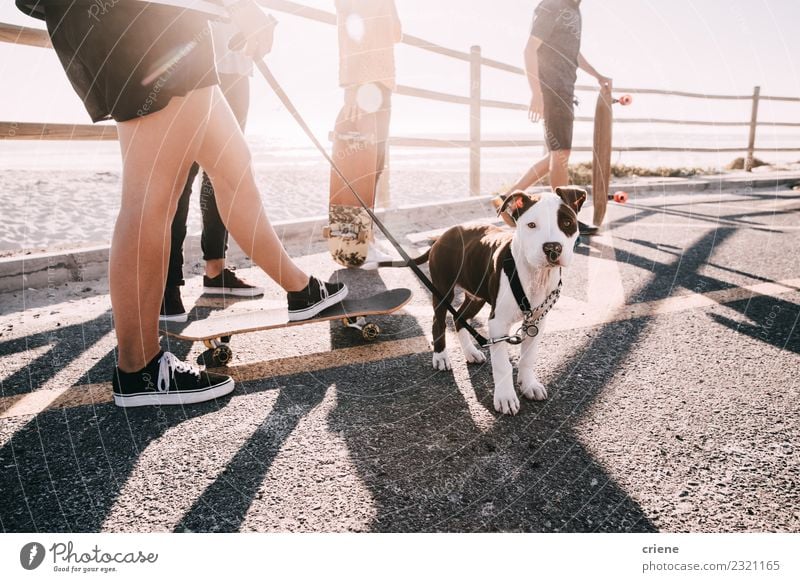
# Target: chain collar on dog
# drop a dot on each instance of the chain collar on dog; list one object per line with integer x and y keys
{"x": 530, "y": 325}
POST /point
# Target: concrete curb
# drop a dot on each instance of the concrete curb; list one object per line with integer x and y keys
{"x": 51, "y": 269}
{"x": 43, "y": 270}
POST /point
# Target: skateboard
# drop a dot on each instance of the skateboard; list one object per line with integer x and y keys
{"x": 601, "y": 150}
{"x": 216, "y": 332}
{"x": 355, "y": 152}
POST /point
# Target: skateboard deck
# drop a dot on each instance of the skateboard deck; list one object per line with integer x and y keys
{"x": 215, "y": 332}
{"x": 350, "y": 227}
{"x": 601, "y": 153}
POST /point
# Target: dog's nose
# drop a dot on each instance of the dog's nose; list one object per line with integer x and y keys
{"x": 552, "y": 251}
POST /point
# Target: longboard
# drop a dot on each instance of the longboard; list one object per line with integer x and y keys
{"x": 216, "y": 332}
{"x": 601, "y": 153}
{"x": 601, "y": 150}
{"x": 356, "y": 154}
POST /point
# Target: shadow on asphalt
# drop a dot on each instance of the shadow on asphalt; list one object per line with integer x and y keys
{"x": 408, "y": 430}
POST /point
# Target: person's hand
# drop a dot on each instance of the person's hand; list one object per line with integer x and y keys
{"x": 536, "y": 109}
{"x": 603, "y": 80}
{"x": 256, "y": 29}
{"x": 260, "y": 43}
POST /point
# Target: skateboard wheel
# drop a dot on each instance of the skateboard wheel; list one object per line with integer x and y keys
{"x": 326, "y": 232}
{"x": 221, "y": 356}
{"x": 371, "y": 332}
{"x": 625, "y": 100}
{"x": 620, "y": 197}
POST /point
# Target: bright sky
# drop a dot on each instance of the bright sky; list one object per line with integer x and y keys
{"x": 713, "y": 46}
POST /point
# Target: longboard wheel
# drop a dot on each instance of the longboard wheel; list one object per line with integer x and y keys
{"x": 371, "y": 332}
{"x": 625, "y": 100}
{"x": 326, "y": 232}
{"x": 221, "y": 356}
{"x": 620, "y": 197}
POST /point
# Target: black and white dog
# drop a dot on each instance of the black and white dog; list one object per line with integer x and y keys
{"x": 502, "y": 268}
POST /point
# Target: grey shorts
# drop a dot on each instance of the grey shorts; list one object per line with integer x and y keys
{"x": 131, "y": 60}
{"x": 559, "y": 118}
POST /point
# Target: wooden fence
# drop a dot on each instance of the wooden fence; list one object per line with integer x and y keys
{"x": 475, "y": 102}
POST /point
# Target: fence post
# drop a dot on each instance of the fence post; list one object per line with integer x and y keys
{"x": 751, "y": 144}
{"x": 475, "y": 121}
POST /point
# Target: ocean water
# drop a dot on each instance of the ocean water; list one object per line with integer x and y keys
{"x": 55, "y": 194}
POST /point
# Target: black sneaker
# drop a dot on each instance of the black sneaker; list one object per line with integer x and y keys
{"x": 227, "y": 283}
{"x": 172, "y": 306}
{"x": 586, "y": 229}
{"x": 168, "y": 381}
{"x": 316, "y": 297}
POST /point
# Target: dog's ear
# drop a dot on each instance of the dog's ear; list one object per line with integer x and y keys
{"x": 515, "y": 205}
{"x": 572, "y": 196}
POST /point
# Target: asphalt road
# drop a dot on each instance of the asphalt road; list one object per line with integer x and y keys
{"x": 671, "y": 363}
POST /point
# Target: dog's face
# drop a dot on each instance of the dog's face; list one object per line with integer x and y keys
{"x": 546, "y": 224}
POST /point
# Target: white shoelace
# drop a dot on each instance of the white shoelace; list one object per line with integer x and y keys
{"x": 167, "y": 366}
{"x": 323, "y": 290}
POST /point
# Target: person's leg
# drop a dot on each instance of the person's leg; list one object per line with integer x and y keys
{"x": 175, "y": 269}
{"x": 383, "y": 120}
{"x": 157, "y": 152}
{"x": 536, "y": 172}
{"x": 214, "y": 240}
{"x": 226, "y": 158}
{"x": 559, "y": 168}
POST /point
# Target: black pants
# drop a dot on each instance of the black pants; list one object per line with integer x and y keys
{"x": 214, "y": 240}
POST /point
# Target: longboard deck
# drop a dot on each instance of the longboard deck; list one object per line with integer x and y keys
{"x": 253, "y": 321}
{"x": 601, "y": 154}
{"x": 356, "y": 155}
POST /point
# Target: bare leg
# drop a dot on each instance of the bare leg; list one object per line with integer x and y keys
{"x": 536, "y": 172}
{"x": 225, "y": 157}
{"x": 157, "y": 151}
{"x": 156, "y": 156}
{"x": 559, "y": 174}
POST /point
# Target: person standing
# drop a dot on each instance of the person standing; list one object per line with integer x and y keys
{"x": 552, "y": 60}
{"x": 368, "y": 31}
{"x": 150, "y": 67}
{"x": 234, "y": 69}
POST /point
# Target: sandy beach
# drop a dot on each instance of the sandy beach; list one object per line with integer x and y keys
{"x": 66, "y": 194}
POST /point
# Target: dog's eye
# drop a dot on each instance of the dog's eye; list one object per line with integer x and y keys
{"x": 531, "y": 225}
{"x": 567, "y": 223}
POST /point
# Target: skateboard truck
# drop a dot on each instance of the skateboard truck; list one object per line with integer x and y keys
{"x": 345, "y": 231}
{"x": 369, "y": 331}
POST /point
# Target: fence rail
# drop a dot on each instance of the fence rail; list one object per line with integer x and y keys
{"x": 475, "y": 102}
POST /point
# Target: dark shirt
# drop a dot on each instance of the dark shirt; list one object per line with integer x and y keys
{"x": 557, "y": 23}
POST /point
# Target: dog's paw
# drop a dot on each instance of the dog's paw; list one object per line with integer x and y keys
{"x": 474, "y": 355}
{"x": 506, "y": 401}
{"x": 532, "y": 389}
{"x": 441, "y": 361}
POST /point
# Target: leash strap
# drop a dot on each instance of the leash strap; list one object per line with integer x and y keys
{"x": 278, "y": 90}
{"x": 510, "y": 268}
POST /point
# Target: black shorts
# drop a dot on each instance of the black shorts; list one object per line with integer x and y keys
{"x": 559, "y": 118}
{"x": 131, "y": 60}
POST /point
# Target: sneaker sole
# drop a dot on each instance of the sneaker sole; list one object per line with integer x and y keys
{"x": 180, "y": 318}
{"x": 319, "y": 307}
{"x": 231, "y": 291}
{"x": 175, "y": 398}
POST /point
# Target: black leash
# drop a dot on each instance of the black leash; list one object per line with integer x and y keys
{"x": 276, "y": 87}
